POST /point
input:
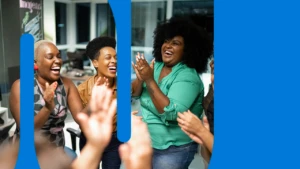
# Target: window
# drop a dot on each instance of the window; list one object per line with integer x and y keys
{"x": 61, "y": 24}
{"x": 105, "y": 21}
{"x": 205, "y": 7}
{"x": 63, "y": 55}
{"x": 83, "y": 22}
{"x": 145, "y": 16}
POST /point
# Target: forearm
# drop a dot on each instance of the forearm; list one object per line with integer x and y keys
{"x": 41, "y": 118}
{"x": 159, "y": 99}
{"x": 89, "y": 157}
{"x": 136, "y": 87}
{"x": 207, "y": 138}
{"x": 205, "y": 153}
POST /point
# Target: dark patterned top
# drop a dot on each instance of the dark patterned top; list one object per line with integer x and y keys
{"x": 53, "y": 128}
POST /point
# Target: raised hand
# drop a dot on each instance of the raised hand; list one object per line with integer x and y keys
{"x": 135, "y": 68}
{"x": 145, "y": 71}
{"x": 99, "y": 125}
{"x": 133, "y": 156}
{"x": 49, "y": 95}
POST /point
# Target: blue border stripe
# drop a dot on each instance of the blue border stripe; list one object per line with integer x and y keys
{"x": 122, "y": 14}
{"x": 27, "y": 156}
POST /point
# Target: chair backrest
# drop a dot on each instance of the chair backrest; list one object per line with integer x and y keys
{"x": 76, "y": 59}
{"x": 13, "y": 74}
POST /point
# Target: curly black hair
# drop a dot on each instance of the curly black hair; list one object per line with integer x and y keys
{"x": 197, "y": 45}
{"x": 94, "y": 46}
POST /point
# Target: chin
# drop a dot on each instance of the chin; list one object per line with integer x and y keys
{"x": 55, "y": 78}
{"x": 111, "y": 75}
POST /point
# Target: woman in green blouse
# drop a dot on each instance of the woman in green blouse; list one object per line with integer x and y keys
{"x": 171, "y": 85}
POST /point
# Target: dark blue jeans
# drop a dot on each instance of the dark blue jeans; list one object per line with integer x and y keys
{"x": 110, "y": 158}
{"x": 174, "y": 157}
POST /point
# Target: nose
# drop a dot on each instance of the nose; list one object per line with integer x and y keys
{"x": 168, "y": 44}
{"x": 113, "y": 60}
{"x": 57, "y": 60}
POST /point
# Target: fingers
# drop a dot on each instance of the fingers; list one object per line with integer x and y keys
{"x": 98, "y": 81}
{"x": 133, "y": 66}
{"x": 101, "y": 81}
{"x": 205, "y": 123}
{"x": 193, "y": 137}
{"x": 152, "y": 63}
{"x": 138, "y": 58}
{"x": 124, "y": 151}
{"x": 134, "y": 112}
{"x": 112, "y": 109}
{"x": 98, "y": 96}
{"x": 82, "y": 120}
{"x": 107, "y": 100}
{"x": 180, "y": 121}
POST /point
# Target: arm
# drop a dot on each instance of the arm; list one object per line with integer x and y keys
{"x": 159, "y": 99}
{"x": 89, "y": 157}
{"x": 97, "y": 127}
{"x": 137, "y": 84}
{"x": 73, "y": 99}
{"x": 207, "y": 138}
{"x": 136, "y": 87}
{"x": 194, "y": 128}
{"x": 181, "y": 95}
{"x": 41, "y": 117}
{"x": 137, "y": 153}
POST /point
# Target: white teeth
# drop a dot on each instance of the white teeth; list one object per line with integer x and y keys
{"x": 112, "y": 68}
{"x": 57, "y": 68}
{"x": 169, "y": 53}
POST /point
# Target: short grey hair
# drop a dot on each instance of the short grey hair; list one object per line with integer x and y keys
{"x": 38, "y": 44}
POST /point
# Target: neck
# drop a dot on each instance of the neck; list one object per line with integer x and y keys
{"x": 111, "y": 81}
{"x": 42, "y": 82}
{"x": 168, "y": 68}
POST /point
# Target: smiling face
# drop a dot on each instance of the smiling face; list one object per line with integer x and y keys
{"x": 172, "y": 50}
{"x": 48, "y": 61}
{"x": 106, "y": 62}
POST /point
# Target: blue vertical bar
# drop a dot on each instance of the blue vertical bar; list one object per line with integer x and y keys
{"x": 27, "y": 156}
{"x": 122, "y": 14}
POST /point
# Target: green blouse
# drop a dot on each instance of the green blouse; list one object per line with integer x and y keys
{"x": 185, "y": 90}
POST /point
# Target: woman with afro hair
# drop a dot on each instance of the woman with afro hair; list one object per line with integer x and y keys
{"x": 170, "y": 85}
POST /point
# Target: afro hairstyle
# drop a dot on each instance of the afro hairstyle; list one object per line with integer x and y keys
{"x": 93, "y": 48}
{"x": 197, "y": 45}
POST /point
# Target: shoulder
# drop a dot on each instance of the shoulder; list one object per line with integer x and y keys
{"x": 84, "y": 85}
{"x": 158, "y": 65}
{"x": 66, "y": 81}
{"x": 185, "y": 73}
{"x": 15, "y": 86}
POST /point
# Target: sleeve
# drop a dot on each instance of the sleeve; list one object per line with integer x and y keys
{"x": 183, "y": 92}
{"x": 82, "y": 92}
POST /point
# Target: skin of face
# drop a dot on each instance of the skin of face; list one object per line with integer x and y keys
{"x": 172, "y": 51}
{"x": 106, "y": 62}
{"x": 49, "y": 62}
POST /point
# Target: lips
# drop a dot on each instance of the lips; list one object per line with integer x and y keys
{"x": 55, "y": 70}
{"x": 112, "y": 69}
{"x": 167, "y": 53}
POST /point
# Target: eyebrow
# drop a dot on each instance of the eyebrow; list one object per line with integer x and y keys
{"x": 50, "y": 53}
{"x": 177, "y": 40}
{"x": 109, "y": 55}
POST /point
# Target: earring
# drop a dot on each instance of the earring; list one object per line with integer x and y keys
{"x": 35, "y": 67}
